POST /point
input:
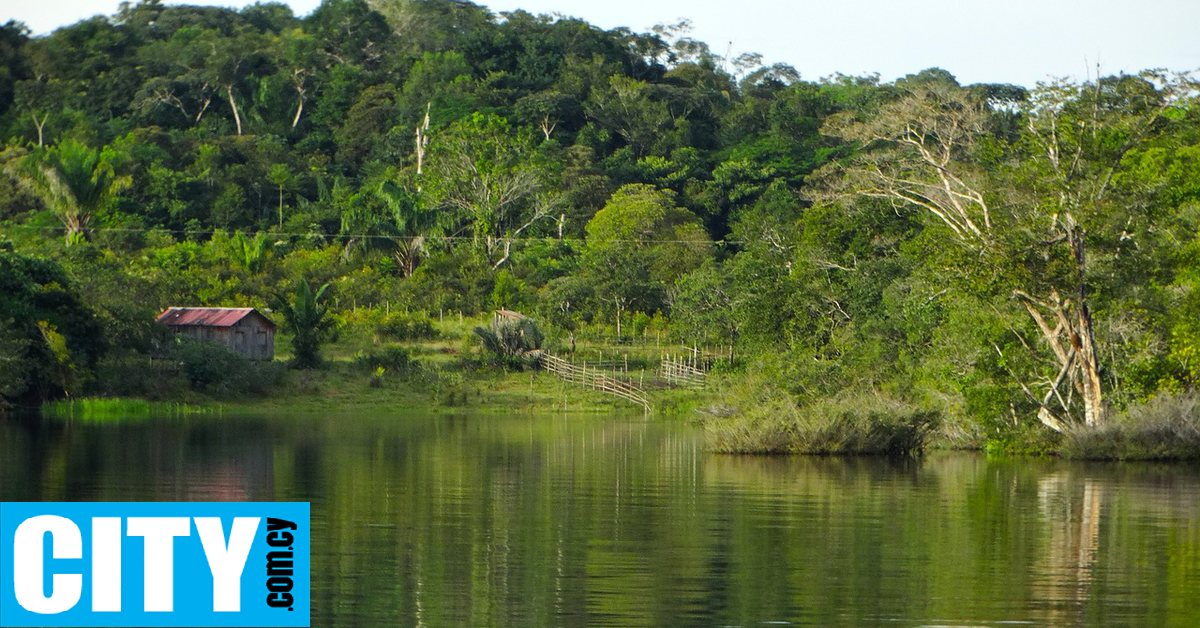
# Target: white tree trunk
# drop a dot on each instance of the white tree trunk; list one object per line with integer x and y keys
{"x": 237, "y": 118}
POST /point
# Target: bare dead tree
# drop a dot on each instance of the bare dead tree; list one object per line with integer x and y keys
{"x": 300, "y": 82}
{"x": 919, "y": 144}
{"x": 422, "y": 141}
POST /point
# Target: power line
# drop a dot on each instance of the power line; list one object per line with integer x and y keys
{"x": 364, "y": 236}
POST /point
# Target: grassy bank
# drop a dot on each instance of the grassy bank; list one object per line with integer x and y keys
{"x": 378, "y": 363}
{"x": 337, "y": 387}
{"x": 114, "y": 409}
{"x": 1165, "y": 428}
{"x": 860, "y": 426}
{"x": 410, "y": 361}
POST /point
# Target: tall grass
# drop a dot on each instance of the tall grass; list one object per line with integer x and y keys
{"x": 119, "y": 409}
{"x": 1165, "y": 428}
{"x": 863, "y": 425}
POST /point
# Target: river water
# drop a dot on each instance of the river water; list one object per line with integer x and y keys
{"x": 482, "y": 520}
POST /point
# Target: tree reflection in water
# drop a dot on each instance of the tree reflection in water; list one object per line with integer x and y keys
{"x": 488, "y": 520}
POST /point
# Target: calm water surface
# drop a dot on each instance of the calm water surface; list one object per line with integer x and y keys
{"x": 619, "y": 521}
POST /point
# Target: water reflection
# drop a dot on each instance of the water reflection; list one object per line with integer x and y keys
{"x": 478, "y": 520}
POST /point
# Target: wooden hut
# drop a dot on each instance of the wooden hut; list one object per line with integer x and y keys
{"x": 245, "y": 330}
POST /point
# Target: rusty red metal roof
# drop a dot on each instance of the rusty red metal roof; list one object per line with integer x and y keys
{"x": 208, "y": 316}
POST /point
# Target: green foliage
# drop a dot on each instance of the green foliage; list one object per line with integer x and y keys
{"x": 307, "y": 318}
{"x": 251, "y": 253}
{"x": 510, "y": 342}
{"x": 434, "y": 155}
{"x": 482, "y": 170}
{"x": 389, "y": 358}
{"x": 509, "y": 292}
{"x": 566, "y": 303}
{"x": 446, "y": 387}
{"x": 50, "y": 337}
{"x": 638, "y": 245}
{"x": 707, "y": 307}
{"x": 74, "y": 181}
{"x": 406, "y": 326}
{"x": 211, "y": 367}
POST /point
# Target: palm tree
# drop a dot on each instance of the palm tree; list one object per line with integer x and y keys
{"x": 251, "y": 252}
{"x": 306, "y": 317}
{"x": 284, "y": 179}
{"x": 74, "y": 181}
{"x": 511, "y": 342}
{"x": 390, "y": 217}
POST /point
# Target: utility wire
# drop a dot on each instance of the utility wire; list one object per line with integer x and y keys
{"x": 363, "y": 236}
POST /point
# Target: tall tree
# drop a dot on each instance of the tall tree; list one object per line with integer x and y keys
{"x": 483, "y": 168}
{"x": 1029, "y": 215}
{"x": 638, "y": 245}
{"x": 49, "y": 339}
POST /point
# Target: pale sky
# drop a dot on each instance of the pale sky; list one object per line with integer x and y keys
{"x": 1013, "y": 41}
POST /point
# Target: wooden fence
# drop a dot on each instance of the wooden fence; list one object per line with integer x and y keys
{"x": 683, "y": 371}
{"x": 594, "y": 378}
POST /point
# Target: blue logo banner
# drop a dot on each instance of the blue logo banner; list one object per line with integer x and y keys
{"x": 154, "y": 564}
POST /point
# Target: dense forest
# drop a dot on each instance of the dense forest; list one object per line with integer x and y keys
{"x": 1015, "y": 259}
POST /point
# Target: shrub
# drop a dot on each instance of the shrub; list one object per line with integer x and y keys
{"x": 390, "y": 358}
{"x": 209, "y": 366}
{"x": 1165, "y": 428}
{"x": 139, "y": 376}
{"x": 215, "y": 369}
{"x": 406, "y": 326}
{"x": 445, "y": 387}
{"x": 639, "y": 324}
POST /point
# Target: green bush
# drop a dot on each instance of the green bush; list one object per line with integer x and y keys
{"x": 406, "y": 326}
{"x": 639, "y": 324}
{"x": 445, "y": 387}
{"x": 390, "y": 358}
{"x": 209, "y": 366}
{"x": 215, "y": 369}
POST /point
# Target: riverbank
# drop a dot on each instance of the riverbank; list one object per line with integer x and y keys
{"x": 1163, "y": 428}
{"x": 446, "y": 371}
{"x": 373, "y": 367}
{"x": 344, "y": 388}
